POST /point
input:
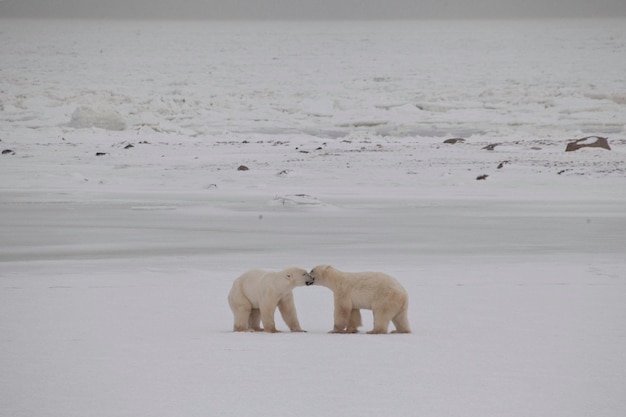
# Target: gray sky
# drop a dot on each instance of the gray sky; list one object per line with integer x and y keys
{"x": 311, "y": 9}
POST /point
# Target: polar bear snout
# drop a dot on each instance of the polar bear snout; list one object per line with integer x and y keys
{"x": 309, "y": 279}
{"x": 300, "y": 277}
{"x": 317, "y": 274}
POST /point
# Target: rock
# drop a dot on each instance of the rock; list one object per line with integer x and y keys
{"x": 583, "y": 143}
{"x": 502, "y": 164}
{"x": 452, "y": 141}
{"x": 243, "y": 168}
{"x": 101, "y": 153}
{"x": 482, "y": 177}
{"x": 130, "y": 145}
{"x": 8, "y": 152}
{"x": 491, "y": 146}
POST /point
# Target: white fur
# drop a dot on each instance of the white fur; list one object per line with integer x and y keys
{"x": 256, "y": 294}
{"x": 374, "y": 291}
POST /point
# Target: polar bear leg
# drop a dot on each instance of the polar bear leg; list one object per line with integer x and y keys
{"x": 342, "y": 315}
{"x": 241, "y": 307}
{"x": 381, "y": 321}
{"x": 267, "y": 310}
{"x": 401, "y": 322}
{"x": 355, "y": 321}
{"x": 287, "y": 309}
{"x": 241, "y": 312}
{"x": 254, "y": 322}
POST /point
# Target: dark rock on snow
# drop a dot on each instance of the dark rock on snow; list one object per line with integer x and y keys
{"x": 452, "y": 141}
{"x": 583, "y": 143}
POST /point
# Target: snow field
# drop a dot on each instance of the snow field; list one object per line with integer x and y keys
{"x": 116, "y": 260}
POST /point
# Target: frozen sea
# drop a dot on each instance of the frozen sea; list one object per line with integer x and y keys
{"x": 125, "y": 215}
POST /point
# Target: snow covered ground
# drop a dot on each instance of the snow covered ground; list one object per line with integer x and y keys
{"x": 116, "y": 260}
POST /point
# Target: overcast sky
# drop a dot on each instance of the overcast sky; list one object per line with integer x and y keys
{"x": 311, "y": 9}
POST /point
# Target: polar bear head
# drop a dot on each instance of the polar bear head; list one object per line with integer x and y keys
{"x": 297, "y": 276}
{"x": 319, "y": 274}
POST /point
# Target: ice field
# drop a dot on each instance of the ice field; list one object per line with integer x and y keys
{"x": 126, "y": 213}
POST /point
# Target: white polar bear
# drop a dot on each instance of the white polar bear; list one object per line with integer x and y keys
{"x": 374, "y": 291}
{"x": 256, "y": 294}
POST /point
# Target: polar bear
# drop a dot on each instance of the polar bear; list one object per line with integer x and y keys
{"x": 374, "y": 291}
{"x": 256, "y": 294}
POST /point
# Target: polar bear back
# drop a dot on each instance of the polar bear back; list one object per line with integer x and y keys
{"x": 368, "y": 288}
{"x": 251, "y": 284}
{"x": 254, "y": 284}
